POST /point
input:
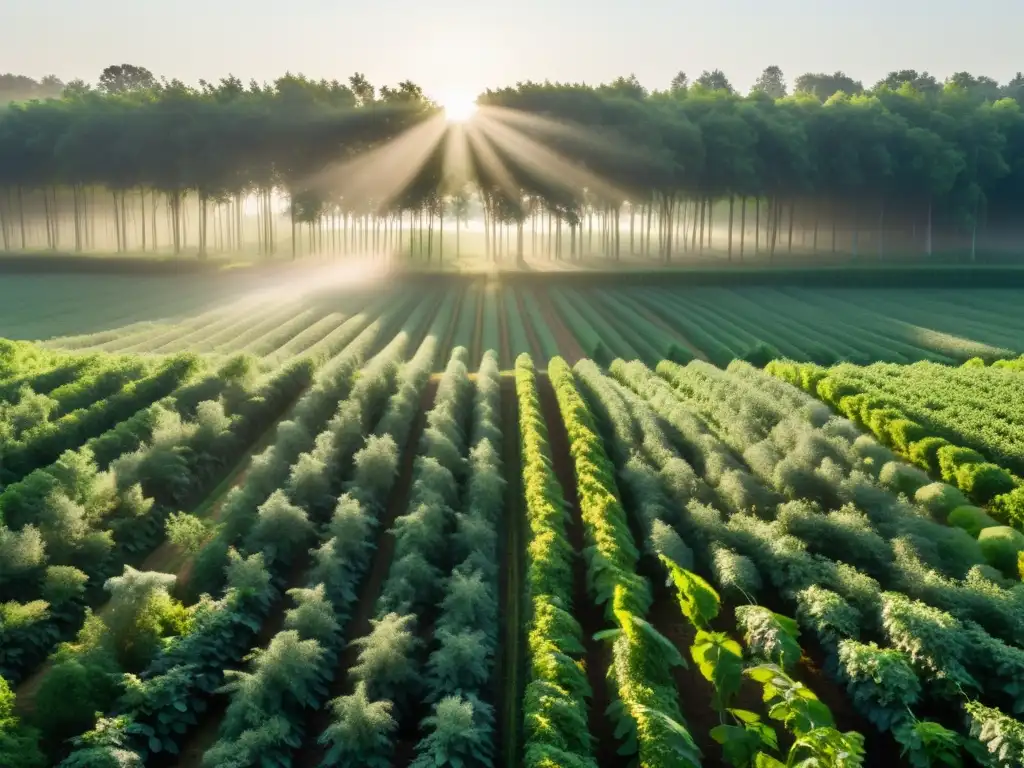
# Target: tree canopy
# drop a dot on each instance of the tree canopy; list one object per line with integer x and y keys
{"x": 908, "y": 158}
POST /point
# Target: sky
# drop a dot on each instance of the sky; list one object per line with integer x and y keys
{"x": 465, "y": 46}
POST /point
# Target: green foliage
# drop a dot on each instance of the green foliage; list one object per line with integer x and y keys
{"x": 952, "y": 457}
{"x": 386, "y": 661}
{"x": 828, "y": 615}
{"x": 881, "y": 683}
{"x": 105, "y": 746}
{"x": 902, "y": 478}
{"x": 940, "y": 499}
{"x": 360, "y": 734}
{"x": 925, "y": 453}
{"x": 769, "y": 636}
{"x": 926, "y": 744}
{"x": 933, "y": 640}
{"x": 971, "y": 519}
{"x": 186, "y": 531}
{"x": 63, "y": 584}
{"x": 720, "y": 661}
{"x": 19, "y": 746}
{"x": 1001, "y": 736}
{"x": 697, "y": 600}
{"x": 1001, "y": 546}
{"x": 281, "y": 529}
{"x": 735, "y": 574}
{"x": 984, "y": 481}
{"x": 1009, "y": 507}
{"x": 458, "y": 733}
{"x": 81, "y": 682}
{"x": 141, "y": 611}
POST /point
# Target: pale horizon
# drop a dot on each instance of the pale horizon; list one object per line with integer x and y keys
{"x": 471, "y": 47}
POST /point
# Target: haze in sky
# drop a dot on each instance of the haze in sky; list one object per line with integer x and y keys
{"x": 468, "y": 45}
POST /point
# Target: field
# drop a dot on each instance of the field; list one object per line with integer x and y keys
{"x": 494, "y": 521}
{"x": 281, "y": 319}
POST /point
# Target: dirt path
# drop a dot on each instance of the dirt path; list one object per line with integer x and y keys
{"x": 568, "y": 347}
{"x": 312, "y": 753}
{"x": 510, "y": 670}
{"x": 589, "y": 615}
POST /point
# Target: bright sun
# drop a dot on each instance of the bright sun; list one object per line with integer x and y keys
{"x": 458, "y": 107}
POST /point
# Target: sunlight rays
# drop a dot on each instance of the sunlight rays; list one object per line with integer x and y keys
{"x": 503, "y": 145}
{"x": 383, "y": 173}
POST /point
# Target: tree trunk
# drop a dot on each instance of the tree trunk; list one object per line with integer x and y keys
{"x": 743, "y": 225}
{"x": 928, "y": 240}
{"x": 792, "y": 211}
{"x": 757, "y": 227}
{"x": 732, "y": 204}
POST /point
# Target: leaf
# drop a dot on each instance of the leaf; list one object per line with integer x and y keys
{"x": 720, "y": 660}
{"x": 697, "y": 599}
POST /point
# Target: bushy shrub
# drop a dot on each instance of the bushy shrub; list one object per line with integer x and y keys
{"x": 940, "y": 499}
{"x": 82, "y": 681}
{"x": 971, "y": 519}
{"x": 983, "y": 482}
{"x": 903, "y": 432}
{"x": 360, "y": 735}
{"x": 459, "y": 732}
{"x": 903, "y": 478}
{"x": 1009, "y": 507}
{"x": 185, "y": 531}
{"x": 736, "y": 575}
{"x": 881, "y": 682}
{"x": 925, "y": 453}
{"x": 874, "y": 456}
{"x": 952, "y": 457}
{"x": 828, "y": 615}
{"x": 761, "y": 354}
{"x": 1001, "y": 546}
{"x": 19, "y": 746}
{"x": 281, "y": 530}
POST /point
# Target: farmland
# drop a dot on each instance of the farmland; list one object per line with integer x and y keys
{"x": 279, "y": 322}
{"x": 489, "y": 521}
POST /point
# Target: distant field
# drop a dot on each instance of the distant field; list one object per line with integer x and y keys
{"x": 221, "y": 314}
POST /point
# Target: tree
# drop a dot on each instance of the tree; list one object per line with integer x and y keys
{"x": 823, "y": 86}
{"x": 715, "y": 80}
{"x": 921, "y": 82}
{"x": 124, "y": 78}
{"x": 680, "y": 83}
{"x": 771, "y": 82}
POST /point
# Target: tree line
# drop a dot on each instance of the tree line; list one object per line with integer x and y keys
{"x": 909, "y": 167}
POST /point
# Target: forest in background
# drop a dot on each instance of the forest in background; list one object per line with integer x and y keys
{"x": 910, "y": 167}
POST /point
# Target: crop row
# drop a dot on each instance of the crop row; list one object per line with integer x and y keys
{"x": 833, "y": 600}
{"x": 648, "y": 323}
{"x": 964, "y": 442}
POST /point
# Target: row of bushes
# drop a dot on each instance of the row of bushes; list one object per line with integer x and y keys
{"x": 460, "y": 669}
{"x": 388, "y": 673}
{"x": 180, "y": 457}
{"x": 985, "y": 483}
{"x": 96, "y": 521}
{"x": 41, "y": 445}
{"x": 648, "y": 703}
{"x": 159, "y": 708}
{"x": 554, "y": 707}
{"x": 836, "y": 602}
{"x": 288, "y": 679}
